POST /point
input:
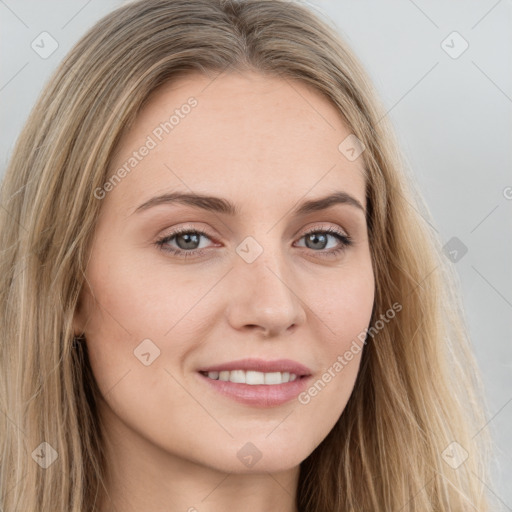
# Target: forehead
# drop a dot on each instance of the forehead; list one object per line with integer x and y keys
{"x": 237, "y": 135}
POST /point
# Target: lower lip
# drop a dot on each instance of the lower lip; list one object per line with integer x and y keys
{"x": 259, "y": 395}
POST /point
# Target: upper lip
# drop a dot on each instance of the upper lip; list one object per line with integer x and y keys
{"x": 260, "y": 365}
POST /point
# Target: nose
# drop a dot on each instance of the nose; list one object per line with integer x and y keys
{"x": 264, "y": 297}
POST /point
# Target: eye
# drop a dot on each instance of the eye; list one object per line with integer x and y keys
{"x": 188, "y": 242}
{"x": 318, "y": 239}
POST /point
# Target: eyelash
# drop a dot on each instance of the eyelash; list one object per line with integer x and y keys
{"x": 345, "y": 242}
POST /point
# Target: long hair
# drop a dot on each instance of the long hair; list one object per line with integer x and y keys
{"x": 418, "y": 402}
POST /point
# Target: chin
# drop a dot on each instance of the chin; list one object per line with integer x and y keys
{"x": 265, "y": 465}
{"x": 262, "y": 455}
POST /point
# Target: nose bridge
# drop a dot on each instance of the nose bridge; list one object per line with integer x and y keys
{"x": 264, "y": 294}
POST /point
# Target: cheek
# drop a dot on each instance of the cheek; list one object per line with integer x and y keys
{"x": 132, "y": 310}
{"x": 352, "y": 303}
{"x": 133, "y": 303}
{"x": 342, "y": 304}
{"x": 137, "y": 300}
{"x": 343, "y": 309}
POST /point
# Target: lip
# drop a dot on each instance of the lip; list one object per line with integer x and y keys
{"x": 260, "y": 365}
{"x": 260, "y": 395}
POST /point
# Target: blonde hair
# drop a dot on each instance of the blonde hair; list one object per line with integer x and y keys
{"x": 418, "y": 389}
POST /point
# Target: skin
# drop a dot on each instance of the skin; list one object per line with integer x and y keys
{"x": 263, "y": 143}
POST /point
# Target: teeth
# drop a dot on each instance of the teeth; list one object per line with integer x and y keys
{"x": 252, "y": 377}
{"x": 237, "y": 376}
{"x": 223, "y": 376}
{"x": 273, "y": 378}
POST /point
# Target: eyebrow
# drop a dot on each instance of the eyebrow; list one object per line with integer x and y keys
{"x": 220, "y": 205}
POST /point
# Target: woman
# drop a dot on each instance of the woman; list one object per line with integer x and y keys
{"x": 217, "y": 290}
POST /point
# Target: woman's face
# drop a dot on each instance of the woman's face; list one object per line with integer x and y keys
{"x": 264, "y": 294}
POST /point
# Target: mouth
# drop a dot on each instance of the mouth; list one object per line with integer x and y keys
{"x": 257, "y": 382}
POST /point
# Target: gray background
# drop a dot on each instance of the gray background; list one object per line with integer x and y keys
{"x": 452, "y": 116}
